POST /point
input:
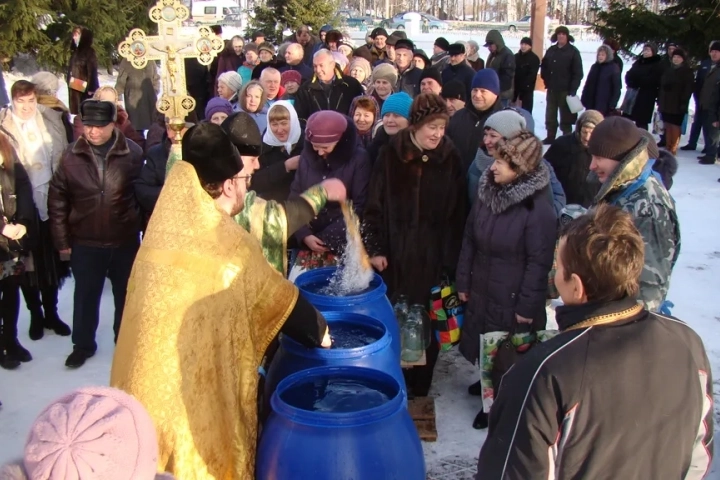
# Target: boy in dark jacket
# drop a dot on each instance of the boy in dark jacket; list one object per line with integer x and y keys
{"x": 527, "y": 65}
{"x": 577, "y": 406}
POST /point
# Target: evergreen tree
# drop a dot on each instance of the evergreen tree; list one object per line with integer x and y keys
{"x": 692, "y": 24}
{"x": 23, "y": 23}
{"x": 277, "y": 15}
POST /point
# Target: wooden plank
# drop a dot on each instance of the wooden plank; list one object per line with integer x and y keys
{"x": 422, "y": 361}
{"x": 422, "y": 411}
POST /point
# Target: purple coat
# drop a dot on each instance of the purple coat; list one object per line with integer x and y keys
{"x": 348, "y": 162}
{"x": 506, "y": 256}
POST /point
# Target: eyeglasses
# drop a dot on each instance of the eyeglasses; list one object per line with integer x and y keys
{"x": 247, "y": 178}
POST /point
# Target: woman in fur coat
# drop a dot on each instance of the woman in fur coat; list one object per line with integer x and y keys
{"x": 83, "y": 66}
{"x": 507, "y": 249}
{"x": 415, "y": 213}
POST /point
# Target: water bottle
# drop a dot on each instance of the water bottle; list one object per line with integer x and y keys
{"x": 401, "y": 309}
{"x": 418, "y": 311}
{"x": 412, "y": 341}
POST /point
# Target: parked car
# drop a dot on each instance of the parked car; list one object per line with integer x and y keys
{"x": 524, "y": 24}
{"x": 398, "y": 22}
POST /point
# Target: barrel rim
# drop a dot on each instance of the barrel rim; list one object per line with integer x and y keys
{"x": 385, "y": 341}
{"x": 326, "y": 272}
{"x": 349, "y": 419}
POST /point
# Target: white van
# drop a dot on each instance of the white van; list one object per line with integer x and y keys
{"x": 213, "y": 11}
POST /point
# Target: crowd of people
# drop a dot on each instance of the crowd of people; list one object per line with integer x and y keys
{"x": 439, "y": 157}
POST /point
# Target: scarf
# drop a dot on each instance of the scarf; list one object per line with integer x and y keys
{"x": 269, "y": 137}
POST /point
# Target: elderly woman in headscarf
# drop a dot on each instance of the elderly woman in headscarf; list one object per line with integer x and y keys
{"x": 365, "y": 114}
{"x": 280, "y": 157}
{"x": 46, "y": 88}
{"x": 361, "y": 70}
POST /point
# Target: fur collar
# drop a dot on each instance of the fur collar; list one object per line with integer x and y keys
{"x": 408, "y": 152}
{"x": 119, "y": 147}
{"x": 499, "y": 198}
{"x": 629, "y": 169}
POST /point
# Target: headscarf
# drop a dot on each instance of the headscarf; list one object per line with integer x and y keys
{"x": 295, "y": 131}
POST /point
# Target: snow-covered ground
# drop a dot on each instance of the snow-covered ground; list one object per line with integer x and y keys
{"x": 26, "y": 391}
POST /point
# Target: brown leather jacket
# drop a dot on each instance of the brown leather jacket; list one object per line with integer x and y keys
{"x": 91, "y": 210}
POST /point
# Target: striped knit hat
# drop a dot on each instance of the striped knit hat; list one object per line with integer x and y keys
{"x": 427, "y": 107}
{"x": 523, "y": 151}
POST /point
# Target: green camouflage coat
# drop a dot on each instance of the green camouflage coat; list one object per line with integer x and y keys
{"x": 636, "y": 190}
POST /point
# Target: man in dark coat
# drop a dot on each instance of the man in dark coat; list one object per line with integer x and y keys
{"x": 467, "y": 126}
{"x": 376, "y": 51}
{"x": 95, "y": 219}
{"x": 562, "y": 71}
{"x": 549, "y": 420}
{"x": 502, "y": 60}
{"x": 294, "y": 61}
{"x": 328, "y": 90}
{"x": 699, "y": 116}
{"x": 571, "y": 160}
{"x": 458, "y": 68}
{"x": 197, "y": 78}
{"x": 527, "y": 65}
{"x": 710, "y": 104}
{"x": 408, "y": 74}
{"x": 644, "y": 77}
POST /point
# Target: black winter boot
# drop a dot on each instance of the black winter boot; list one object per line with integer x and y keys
{"x": 481, "y": 421}
{"x": 475, "y": 389}
{"x": 37, "y": 319}
{"x": 15, "y": 351}
{"x": 52, "y": 320}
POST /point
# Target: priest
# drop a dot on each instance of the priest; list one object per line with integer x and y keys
{"x": 202, "y": 307}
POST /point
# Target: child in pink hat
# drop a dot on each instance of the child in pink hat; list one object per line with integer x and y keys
{"x": 92, "y": 433}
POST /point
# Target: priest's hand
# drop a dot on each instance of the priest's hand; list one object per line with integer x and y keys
{"x": 379, "y": 263}
{"x": 327, "y": 341}
{"x": 335, "y": 190}
{"x": 315, "y": 244}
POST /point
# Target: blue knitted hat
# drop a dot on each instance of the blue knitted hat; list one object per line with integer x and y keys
{"x": 487, "y": 79}
{"x": 397, "y": 103}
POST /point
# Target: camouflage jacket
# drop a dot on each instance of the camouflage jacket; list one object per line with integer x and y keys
{"x": 634, "y": 188}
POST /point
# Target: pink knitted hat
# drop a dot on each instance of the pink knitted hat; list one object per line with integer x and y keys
{"x": 93, "y": 432}
{"x": 325, "y": 126}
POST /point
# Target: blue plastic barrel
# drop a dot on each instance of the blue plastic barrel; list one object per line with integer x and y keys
{"x": 372, "y": 302}
{"x": 292, "y": 357}
{"x": 364, "y": 434}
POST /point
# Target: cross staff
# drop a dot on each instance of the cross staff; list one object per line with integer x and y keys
{"x": 171, "y": 48}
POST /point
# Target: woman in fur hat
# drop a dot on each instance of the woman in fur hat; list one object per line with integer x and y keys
{"x": 507, "y": 249}
{"x": 415, "y": 214}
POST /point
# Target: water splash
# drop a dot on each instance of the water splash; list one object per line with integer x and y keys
{"x": 354, "y": 272}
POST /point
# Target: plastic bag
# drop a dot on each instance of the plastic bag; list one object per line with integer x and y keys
{"x": 574, "y": 104}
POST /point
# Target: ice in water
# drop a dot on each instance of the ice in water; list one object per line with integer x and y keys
{"x": 347, "y": 336}
{"x": 335, "y": 395}
{"x": 344, "y": 396}
{"x": 354, "y": 272}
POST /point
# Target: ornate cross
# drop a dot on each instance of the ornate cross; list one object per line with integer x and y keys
{"x": 171, "y": 48}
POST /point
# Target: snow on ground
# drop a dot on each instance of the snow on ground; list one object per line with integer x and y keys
{"x": 27, "y": 390}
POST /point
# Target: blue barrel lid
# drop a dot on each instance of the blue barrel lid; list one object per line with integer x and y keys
{"x": 323, "y": 275}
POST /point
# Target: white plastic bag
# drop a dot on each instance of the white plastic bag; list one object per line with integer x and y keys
{"x": 574, "y": 104}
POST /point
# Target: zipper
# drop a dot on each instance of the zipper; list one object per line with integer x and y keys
{"x": 337, "y": 105}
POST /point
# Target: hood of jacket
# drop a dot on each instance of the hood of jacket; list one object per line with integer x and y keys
{"x": 496, "y": 38}
{"x": 52, "y": 102}
{"x": 501, "y": 197}
{"x": 408, "y": 152}
{"x": 629, "y": 169}
{"x": 344, "y": 150}
{"x": 610, "y": 56}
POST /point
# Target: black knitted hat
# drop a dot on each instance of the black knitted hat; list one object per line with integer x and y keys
{"x": 379, "y": 31}
{"x": 441, "y": 42}
{"x": 614, "y": 138}
{"x": 209, "y": 149}
{"x": 431, "y": 73}
{"x": 243, "y": 133}
{"x": 526, "y": 41}
{"x": 454, "y": 89}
